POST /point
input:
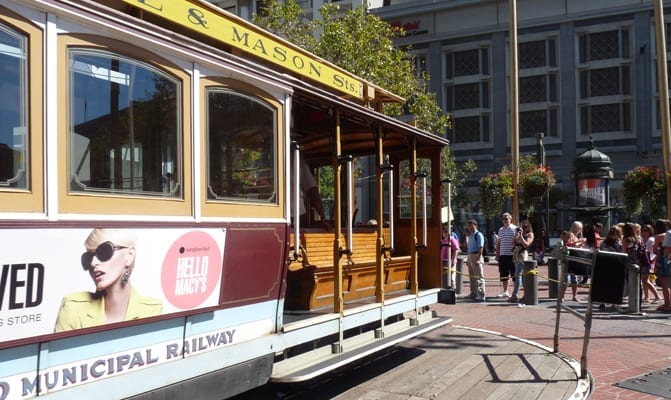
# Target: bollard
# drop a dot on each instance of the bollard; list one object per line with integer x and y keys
{"x": 530, "y": 282}
{"x": 633, "y": 289}
{"x": 447, "y": 275}
{"x": 553, "y": 278}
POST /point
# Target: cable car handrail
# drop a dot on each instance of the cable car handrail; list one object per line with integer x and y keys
{"x": 389, "y": 169}
{"x": 423, "y": 175}
{"x": 296, "y": 150}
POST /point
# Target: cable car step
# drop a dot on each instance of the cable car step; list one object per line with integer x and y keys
{"x": 322, "y": 360}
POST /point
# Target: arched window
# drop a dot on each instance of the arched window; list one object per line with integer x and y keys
{"x": 14, "y": 110}
{"x": 21, "y": 115}
{"x": 124, "y": 126}
{"x": 241, "y": 137}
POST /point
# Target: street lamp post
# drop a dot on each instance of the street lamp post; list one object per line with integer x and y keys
{"x": 540, "y": 155}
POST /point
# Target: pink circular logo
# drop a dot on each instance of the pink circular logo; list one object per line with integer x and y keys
{"x": 191, "y": 270}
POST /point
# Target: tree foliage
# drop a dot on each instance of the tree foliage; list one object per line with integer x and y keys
{"x": 362, "y": 44}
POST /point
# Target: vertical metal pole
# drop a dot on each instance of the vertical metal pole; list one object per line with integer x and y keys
{"x": 380, "y": 250}
{"x": 414, "y": 285}
{"x": 391, "y": 208}
{"x": 450, "y": 284}
{"x": 296, "y": 199}
{"x": 663, "y": 90}
{"x": 350, "y": 205}
{"x": 545, "y": 226}
{"x": 514, "y": 110}
{"x": 338, "y": 302}
{"x": 425, "y": 217}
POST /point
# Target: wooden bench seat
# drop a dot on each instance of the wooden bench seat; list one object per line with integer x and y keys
{"x": 310, "y": 280}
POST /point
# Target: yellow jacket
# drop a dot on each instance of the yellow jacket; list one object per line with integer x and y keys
{"x": 85, "y": 309}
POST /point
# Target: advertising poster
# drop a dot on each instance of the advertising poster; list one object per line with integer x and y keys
{"x": 55, "y": 280}
{"x": 591, "y": 192}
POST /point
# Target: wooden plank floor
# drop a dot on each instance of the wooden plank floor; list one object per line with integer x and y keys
{"x": 464, "y": 364}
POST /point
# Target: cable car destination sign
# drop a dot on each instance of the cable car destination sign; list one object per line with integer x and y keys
{"x": 253, "y": 41}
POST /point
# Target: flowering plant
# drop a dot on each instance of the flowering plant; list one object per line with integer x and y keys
{"x": 643, "y": 183}
{"x": 537, "y": 181}
{"x": 494, "y": 190}
{"x": 641, "y": 179}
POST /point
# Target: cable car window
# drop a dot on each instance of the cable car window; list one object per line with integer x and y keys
{"x": 14, "y": 155}
{"x": 124, "y": 124}
{"x": 241, "y": 135}
{"x": 405, "y": 181}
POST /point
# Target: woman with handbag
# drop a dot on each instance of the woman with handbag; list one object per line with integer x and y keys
{"x": 524, "y": 237}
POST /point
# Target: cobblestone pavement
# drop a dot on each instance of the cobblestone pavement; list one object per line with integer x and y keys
{"x": 621, "y": 345}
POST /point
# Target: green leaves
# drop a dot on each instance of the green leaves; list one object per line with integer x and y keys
{"x": 362, "y": 44}
{"x": 645, "y": 184}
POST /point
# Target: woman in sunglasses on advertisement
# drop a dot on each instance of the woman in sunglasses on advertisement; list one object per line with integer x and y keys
{"x": 109, "y": 260}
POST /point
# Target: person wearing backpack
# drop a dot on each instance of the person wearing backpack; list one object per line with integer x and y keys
{"x": 476, "y": 272}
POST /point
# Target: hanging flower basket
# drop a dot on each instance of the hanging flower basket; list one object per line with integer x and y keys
{"x": 536, "y": 182}
{"x": 641, "y": 179}
{"x": 645, "y": 184}
{"x": 494, "y": 190}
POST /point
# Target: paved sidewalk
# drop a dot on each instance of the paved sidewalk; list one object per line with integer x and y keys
{"x": 621, "y": 346}
{"x": 500, "y": 350}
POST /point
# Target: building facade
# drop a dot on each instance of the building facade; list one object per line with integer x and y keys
{"x": 587, "y": 71}
{"x": 587, "y": 74}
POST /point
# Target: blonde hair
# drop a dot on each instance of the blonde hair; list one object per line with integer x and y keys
{"x": 119, "y": 237}
{"x": 576, "y": 228}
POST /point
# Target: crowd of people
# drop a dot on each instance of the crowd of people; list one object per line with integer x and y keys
{"x": 648, "y": 246}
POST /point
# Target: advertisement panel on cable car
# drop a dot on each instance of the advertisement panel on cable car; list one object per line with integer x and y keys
{"x": 82, "y": 278}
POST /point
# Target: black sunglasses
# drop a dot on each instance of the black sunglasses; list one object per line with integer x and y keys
{"x": 103, "y": 252}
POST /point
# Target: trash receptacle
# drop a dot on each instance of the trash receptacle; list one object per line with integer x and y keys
{"x": 530, "y": 282}
{"x": 608, "y": 277}
{"x": 553, "y": 277}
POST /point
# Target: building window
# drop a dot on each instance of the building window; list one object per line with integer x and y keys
{"x": 539, "y": 88}
{"x": 467, "y": 95}
{"x": 124, "y": 125}
{"x": 658, "y": 123}
{"x": 241, "y": 138}
{"x": 605, "y": 83}
{"x": 14, "y": 154}
{"x": 420, "y": 64}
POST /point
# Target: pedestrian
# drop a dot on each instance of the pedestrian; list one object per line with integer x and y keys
{"x": 663, "y": 269}
{"x": 449, "y": 261}
{"x": 524, "y": 238}
{"x": 574, "y": 238}
{"x": 591, "y": 243}
{"x": 648, "y": 240}
{"x": 504, "y": 252}
{"x": 613, "y": 242}
{"x": 475, "y": 243}
{"x": 566, "y": 237}
{"x": 493, "y": 239}
{"x": 598, "y": 228}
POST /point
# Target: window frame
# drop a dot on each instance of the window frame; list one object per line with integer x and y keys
{"x": 551, "y": 108}
{"x": 30, "y": 199}
{"x": 625, "y": 60}
{"x": 118, "y": 203}
{"x": 484, "y": 81}
{"x": 241, "y": 208}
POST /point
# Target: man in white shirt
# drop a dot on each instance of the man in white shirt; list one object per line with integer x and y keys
{"x": 504, "y": 252}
